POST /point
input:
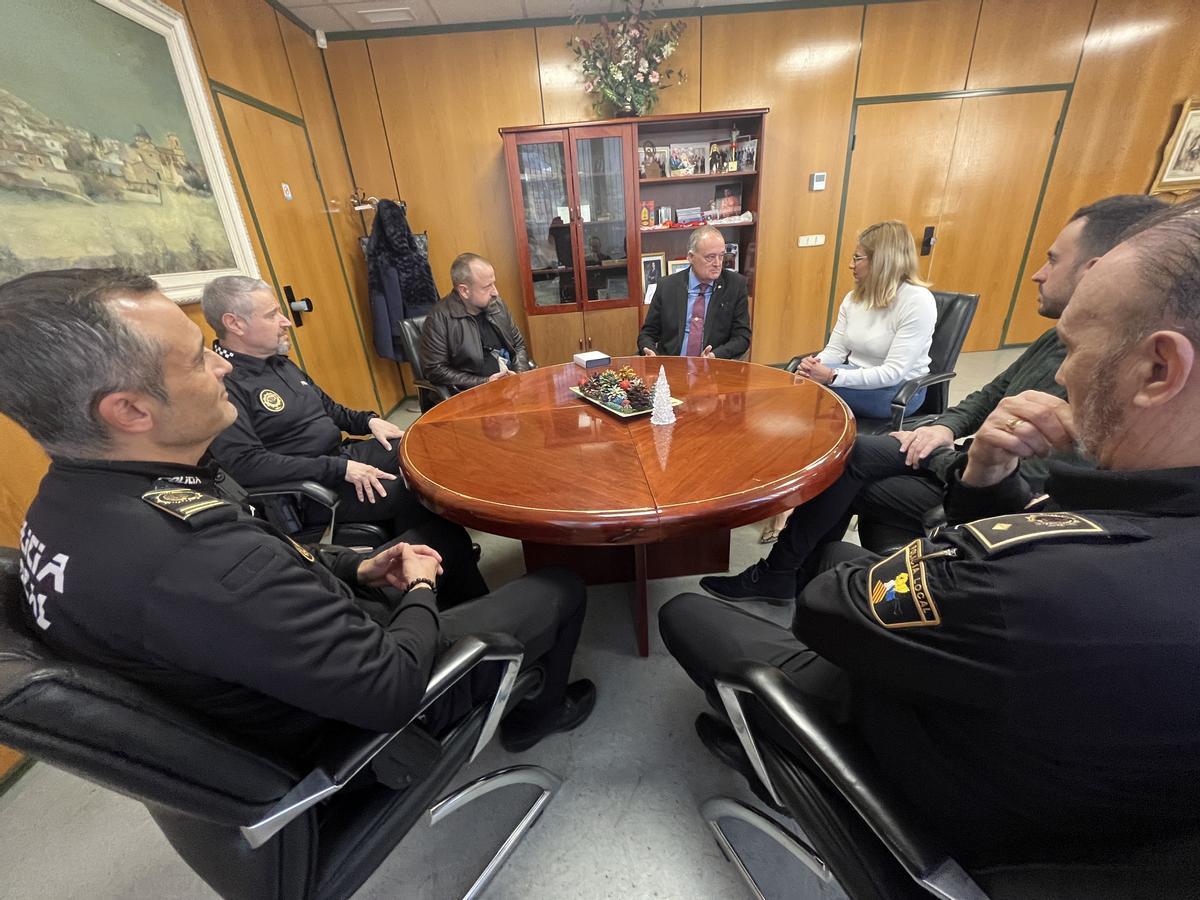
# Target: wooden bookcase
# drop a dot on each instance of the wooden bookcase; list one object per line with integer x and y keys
{"x": 577, "y": 193}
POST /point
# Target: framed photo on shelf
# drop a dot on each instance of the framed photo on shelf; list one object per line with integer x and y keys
{"x": 747, "y": 155}
{"x": 677, "y": 265}
{"x": 1180, "y": 170}
{"x": 731, "y": 257}
{"x": 666, "y": 215}
{"x": 653, "y": 161}
{"x": 618, "y": 287}
{"x": 721, "y": 158}
{"x": 654, "y": 267}
{"x": 727, "y": 196}
{"x": 689, "y": 216}
{"x": 688, "y": 159}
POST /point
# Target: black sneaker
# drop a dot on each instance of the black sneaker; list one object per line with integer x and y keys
{"x": 577, "y": 705}
{"x": 759, "y": 582}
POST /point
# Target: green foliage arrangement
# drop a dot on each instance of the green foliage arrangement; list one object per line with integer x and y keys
{"x": 621, "y": 64}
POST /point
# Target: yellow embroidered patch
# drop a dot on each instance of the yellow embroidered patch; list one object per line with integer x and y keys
{"x": 900, "y": 596}
{"x": 182, "y": 503}
{"x": 270, "y": 400}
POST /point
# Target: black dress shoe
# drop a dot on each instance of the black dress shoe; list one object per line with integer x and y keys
{"x": 759, "y": 582}
{"x": 577, "y": 705}
{"x": 722, "y": 742}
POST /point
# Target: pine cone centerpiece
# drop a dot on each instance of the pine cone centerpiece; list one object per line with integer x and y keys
{"x": 622, "y": 390}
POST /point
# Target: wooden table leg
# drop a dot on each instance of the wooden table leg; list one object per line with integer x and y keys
{"x": 640, "y": 613}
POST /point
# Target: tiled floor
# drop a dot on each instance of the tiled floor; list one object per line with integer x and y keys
{"x": 625, "y": 823}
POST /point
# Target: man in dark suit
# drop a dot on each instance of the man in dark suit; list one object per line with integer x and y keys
{"x": 702, "y": 311}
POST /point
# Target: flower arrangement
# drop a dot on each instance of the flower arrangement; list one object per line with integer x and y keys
{"x": 621, "y": 63}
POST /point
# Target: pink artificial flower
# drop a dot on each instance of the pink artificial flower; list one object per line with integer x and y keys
{"x": 654, "y": 78}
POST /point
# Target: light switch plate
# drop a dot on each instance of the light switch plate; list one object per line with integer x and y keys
{"x": 810, "y": 240}
{"x": 816, "y": 181}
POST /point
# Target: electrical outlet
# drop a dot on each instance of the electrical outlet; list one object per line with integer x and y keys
{"x": 810, "y": 240}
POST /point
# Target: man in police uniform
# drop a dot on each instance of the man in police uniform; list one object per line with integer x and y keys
{"x": 896, "y": 478}
{"x": 136, "y": 559}
{"x": 1028, "y": 678}
{"x": 288, "y": 429}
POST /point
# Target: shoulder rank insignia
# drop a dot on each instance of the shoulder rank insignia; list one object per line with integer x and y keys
{"x": 999, "y": 533}
{"x": 270, "y": 400}
{"x": 900, "y": 596}
{"x": 182, "y": 503}
{"x": 302, "y": 550}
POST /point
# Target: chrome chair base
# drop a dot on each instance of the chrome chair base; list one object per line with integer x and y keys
{"x": 716, "y": 808}
{"x": 486, "y": 784}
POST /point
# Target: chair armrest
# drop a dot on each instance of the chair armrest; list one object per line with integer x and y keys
{"x": 908, "y": 390}
{"x": 440, "y": 390}
{"x": 346, "y": 758}
{"x": 311, "y": 489}
{"x": 853, "y": 771}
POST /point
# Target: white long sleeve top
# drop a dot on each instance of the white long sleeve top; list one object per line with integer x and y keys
{"x": 888, "y": 345}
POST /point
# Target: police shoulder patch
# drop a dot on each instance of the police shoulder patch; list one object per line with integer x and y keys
{"x": 302, "y": 550}
{"x": 182, "y": 503}
{"x": 900, "y": 595}
{"x": 270, "y": 400}
{"x": 1001, "y": 533}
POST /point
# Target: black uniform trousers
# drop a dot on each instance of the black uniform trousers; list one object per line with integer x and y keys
{"x": 875, "y": 483}
{"x": 707, "y": 636}
{"x": 404, "y": 516}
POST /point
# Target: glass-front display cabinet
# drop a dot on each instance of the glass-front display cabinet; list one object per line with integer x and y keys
{"x": 574, "y": 195}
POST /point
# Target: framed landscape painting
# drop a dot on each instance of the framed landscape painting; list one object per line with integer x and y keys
{"x": 108, "y": 152}
{"x": 1180, "y": 170}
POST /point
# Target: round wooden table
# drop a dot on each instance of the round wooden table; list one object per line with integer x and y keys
{"x": 619, "y": 499}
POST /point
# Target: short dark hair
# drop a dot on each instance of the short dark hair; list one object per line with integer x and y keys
{"x": 1110, "y": 218}
{"x": 63, "y": 349}
{"x": 1168, "y": 254}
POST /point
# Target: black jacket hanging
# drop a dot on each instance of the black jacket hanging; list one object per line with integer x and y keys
{"x": 398, "y": 277}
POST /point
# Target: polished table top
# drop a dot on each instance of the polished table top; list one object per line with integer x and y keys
{"x": 526, "y": 458}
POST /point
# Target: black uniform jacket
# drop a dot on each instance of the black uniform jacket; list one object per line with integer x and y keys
{"x": 1035, "y": 673}
{"x": 726, "y": 324}
{"x": 149, "y": 571}
{"x": 287, "y": 428}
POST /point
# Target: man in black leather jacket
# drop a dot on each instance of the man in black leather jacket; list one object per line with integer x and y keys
{"x": 470, "y": 338}
{"x": 139, "y": 560}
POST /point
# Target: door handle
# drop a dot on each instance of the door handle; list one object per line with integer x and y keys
{"x": 589, "y": 343}
{"x": 928, "y": 241}
{"x": 297, "y": 307}
{"x": 581, "y": 343}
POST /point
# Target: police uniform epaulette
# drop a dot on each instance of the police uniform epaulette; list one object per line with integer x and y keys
{"x": 193, "y": 507}
{"x": 1002, "y": 533}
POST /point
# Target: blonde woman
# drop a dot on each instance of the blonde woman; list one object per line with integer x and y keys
{"x": 884, "y": 326}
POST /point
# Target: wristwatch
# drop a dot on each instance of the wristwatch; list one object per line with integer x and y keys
{"x": 425, "y": 581}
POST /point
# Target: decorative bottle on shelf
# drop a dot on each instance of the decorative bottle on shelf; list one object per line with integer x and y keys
{"x": 664, "y": 413}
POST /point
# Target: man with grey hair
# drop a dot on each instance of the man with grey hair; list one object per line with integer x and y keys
{"x": 1028, "y": 677}
{"x": 701, "y": 311}
{"x": 470, "y": 337}
{"x": 288, "y": 429}
{"x": 139, "y": 559}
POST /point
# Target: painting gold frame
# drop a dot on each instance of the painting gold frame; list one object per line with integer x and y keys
{"x": 1180, "y": 169}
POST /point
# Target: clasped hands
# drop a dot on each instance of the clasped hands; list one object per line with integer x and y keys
{"x": 707, "y": 352}
{"x": 398, "y": 565}
{"x": 812, "y": 368}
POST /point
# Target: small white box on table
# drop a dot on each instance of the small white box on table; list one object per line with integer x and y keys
{"x": 592, "y": 359}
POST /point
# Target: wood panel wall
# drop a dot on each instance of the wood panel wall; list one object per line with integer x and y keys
{"x": 1141, "y": 60}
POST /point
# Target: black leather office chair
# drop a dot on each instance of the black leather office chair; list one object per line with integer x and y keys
{"x": 429, "y": 394}
{"x": 250, "y": 825}
{"x": 867, "y": 838}
{"x": 955, "y": 312}
{"x": 280, "y": 505}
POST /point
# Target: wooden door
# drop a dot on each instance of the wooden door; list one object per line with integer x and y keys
{"x": 273, "y": 158}
{"x": 999, "y": 162}
{"x": 898, "y": 170}
{"x": 614, "y": 331}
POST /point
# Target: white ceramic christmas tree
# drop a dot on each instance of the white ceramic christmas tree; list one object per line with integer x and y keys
{"x": 664, "y": 413}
